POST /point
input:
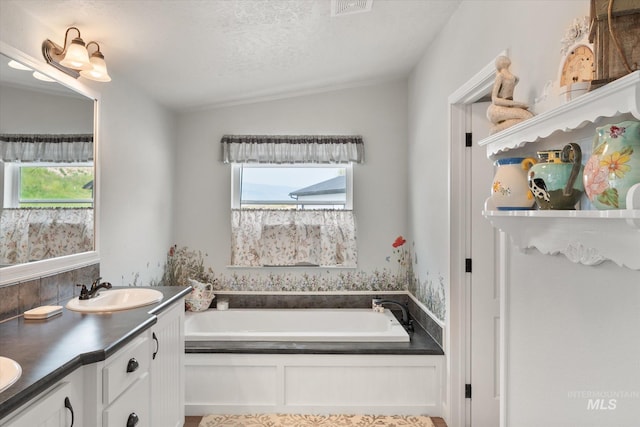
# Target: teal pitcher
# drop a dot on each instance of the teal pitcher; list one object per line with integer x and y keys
{"x": 556, "y": 180}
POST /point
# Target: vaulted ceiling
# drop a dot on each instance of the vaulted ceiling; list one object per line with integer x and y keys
{"x": 194, "y": 53}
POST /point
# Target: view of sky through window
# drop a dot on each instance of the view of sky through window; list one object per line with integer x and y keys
{"x": 275, "y": 183}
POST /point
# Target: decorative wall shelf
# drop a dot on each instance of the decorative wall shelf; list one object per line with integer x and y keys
{"x": 618, "y": 97}
{"x": 584, "y": 236}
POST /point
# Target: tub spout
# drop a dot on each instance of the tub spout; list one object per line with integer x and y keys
{"x": 379, "y": 302}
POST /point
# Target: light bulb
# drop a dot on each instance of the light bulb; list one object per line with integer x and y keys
{"x": 98, "y": 72}
{"x": 77, "y": 56}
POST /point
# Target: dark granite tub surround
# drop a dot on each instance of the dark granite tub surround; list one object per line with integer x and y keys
{"x": 48, "y": 350}
{"x": 319, "y": 300}
{"x": 422, "y": 342}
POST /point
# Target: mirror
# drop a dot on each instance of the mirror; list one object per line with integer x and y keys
{"x": 47, "y": 170}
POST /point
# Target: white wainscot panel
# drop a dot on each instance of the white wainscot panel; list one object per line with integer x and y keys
{"x": 299, "y": 383}
{"x": 358, "y": 386}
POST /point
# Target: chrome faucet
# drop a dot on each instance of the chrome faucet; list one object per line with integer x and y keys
{"x": 95, "y": 287}
{"x": 379, "y": 302}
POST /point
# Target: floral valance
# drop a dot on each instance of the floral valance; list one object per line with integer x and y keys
{"x": 288, "y": 149}
{"x": 46, "y": 148}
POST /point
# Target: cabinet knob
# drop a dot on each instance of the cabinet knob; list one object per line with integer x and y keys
{"x": 133, "y": 419}
{"x": 133, "y": 365}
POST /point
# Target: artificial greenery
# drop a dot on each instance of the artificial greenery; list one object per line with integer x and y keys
{"x": 183, "y": 264}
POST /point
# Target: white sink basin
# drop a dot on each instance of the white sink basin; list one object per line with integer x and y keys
{"x": 10, "y": 371}
{"x": 116, "y": 300}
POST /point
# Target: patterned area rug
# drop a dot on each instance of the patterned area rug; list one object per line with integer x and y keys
{"x": 294, "y": 420}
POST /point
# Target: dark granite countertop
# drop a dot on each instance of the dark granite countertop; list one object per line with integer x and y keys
{"x": 421, "y": 343}
{"x": 49, "y": 350}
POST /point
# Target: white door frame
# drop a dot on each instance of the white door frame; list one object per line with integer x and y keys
{"x": 458, "y": 333}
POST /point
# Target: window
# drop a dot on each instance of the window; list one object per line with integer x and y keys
{"x": 265, "y": 186}
{"x": 67, "y": 185}
{"x": 292, "y": 215}
{"x": 291, "y": 199}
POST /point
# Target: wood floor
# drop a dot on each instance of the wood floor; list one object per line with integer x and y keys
{"x": 439, "y": 422}
{"x": 195, "y": 421}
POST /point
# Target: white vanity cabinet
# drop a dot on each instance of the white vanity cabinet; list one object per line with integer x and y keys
{"x": 60, "y": 406}
{"x": 125, "y": 386}
{"x": 167, "y": 375}
{"x": 119, "y": 386}
{"x": 583, "y": 236}
{"x": 153, "y": 393}
{"x": 140, "y": 385}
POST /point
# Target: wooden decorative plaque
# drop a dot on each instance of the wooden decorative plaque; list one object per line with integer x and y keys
{"x": 617, "y": 54}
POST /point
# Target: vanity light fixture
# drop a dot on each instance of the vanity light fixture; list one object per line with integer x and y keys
{"x": 73, "y": 59}
{"x": 98, "y": 71}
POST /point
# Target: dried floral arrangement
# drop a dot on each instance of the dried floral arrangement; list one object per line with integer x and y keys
{"x": 183, "y": 264}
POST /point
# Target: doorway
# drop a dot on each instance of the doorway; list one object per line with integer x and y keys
{"x": 476, "y": 333}
{"x": 484, "y": 290}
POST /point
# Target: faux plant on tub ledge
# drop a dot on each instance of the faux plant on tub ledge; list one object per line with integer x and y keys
{"x": 186, "y": 268}
{"x": 403, "y": 258}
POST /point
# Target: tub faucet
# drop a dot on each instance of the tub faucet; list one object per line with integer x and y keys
{"x": 379, "y": 302}
{"x": 95, "y": 287}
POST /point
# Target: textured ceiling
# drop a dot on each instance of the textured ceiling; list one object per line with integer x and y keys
{"x": 193, "y": 53}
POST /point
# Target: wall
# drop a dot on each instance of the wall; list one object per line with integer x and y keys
{"x": 27, "y": 111}
{"x": 136, "y": 185}
{"x": 203, "y": 183}
{"x": 135, "y": 151}
{"x": 572, "y": 329}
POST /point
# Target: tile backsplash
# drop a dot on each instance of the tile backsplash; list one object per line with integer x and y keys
{"x": 56, "y": 289}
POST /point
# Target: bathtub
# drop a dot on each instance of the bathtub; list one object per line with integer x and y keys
{"x": 262, "y": 379}
{"x": 326, "y": 325}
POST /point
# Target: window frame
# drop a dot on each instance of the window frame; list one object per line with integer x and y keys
{"x": 236, "y": 179}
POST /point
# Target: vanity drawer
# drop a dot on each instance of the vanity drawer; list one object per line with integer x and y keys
{"x": 124, "y": 368}
{"x": 132, "y": 408}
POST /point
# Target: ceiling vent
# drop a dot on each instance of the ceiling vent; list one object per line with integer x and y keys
{"x": 349, "y": 7}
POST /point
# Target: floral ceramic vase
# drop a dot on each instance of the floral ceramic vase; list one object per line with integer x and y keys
{"x": 509, "y": 190}
{"x": 556, "y": 180}
{"x": 200, "y": 297}
{"x": 614, "y": 165}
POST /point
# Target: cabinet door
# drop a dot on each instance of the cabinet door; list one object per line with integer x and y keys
{"x": 60, "y": 406}
{"x": 167, "y": 368}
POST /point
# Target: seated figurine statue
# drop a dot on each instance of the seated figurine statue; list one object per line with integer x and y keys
{"x": 504, "y": 111}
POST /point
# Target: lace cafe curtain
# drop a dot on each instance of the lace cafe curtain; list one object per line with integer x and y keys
{"x": 262, "y": 237}
{"x": 268, "y": 237}
{"x": 46, "y": 148}
{"x": 40, "y": 233}
{"x": 291, "y": 149}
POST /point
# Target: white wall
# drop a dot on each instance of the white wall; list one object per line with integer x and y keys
{"x": 135, "y": 143}
{"x": 572, "y": 328}
{"x": 27, "y": 111}
{"x": 378, "y": 113}
{"x": 136, "y": 185}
